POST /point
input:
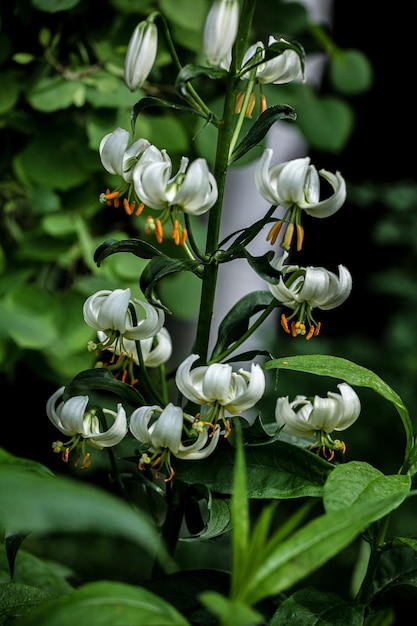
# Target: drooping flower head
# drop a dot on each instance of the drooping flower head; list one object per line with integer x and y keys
{"x": 318, "y": 417}
{"x": 277, "y": 63}
{"x": 85, "y": 427}
{"x": 163, "y": 431}
{"x": 140, "y": 54}
{"x": 120, "y": 318}
{"x": 192, "y": 190}
{"x": 220, "y": 30}
{"x": 218, "y": 386}
{"x": 120, "y": 158}
{"x": 306, "y": 288}
{"x": 295, "y": 186}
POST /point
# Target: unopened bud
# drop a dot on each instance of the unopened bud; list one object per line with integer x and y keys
{"x": 141, "y": 54}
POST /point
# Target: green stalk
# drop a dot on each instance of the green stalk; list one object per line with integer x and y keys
{"x": 224, "y": 138}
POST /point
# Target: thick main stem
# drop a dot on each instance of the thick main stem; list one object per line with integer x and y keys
{"x": 225, "y": 133}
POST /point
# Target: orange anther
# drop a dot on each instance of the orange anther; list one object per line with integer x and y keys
{"x": 139, "y": 209}
{"x": 129, "y": 208}
{"x": 111, "y": 195}
{"x": 175, "y": 233}
{"x": 294, "y": 329}
{"x": 239, "y": 101}
{"x": 300, "y": 236}
{"x": 183, "y": 237}
{"x": 288, "y": 235}
{"x": 310, "y": 333}
{"x": 284, "y": 324}
{"x": 159, "y": 233}
{"x": 251, "y": 105}
{"x": 317, "y": 329}
{"x": 65, "y": 455}
{"x": 262, "y": 104}
{"x": 274, "y": 232}
{"x": 86, "y": 463}
{"x": 171, "y": 475}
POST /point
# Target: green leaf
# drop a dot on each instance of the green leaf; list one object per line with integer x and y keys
{"x": 105, "y": 604}
{"x": 44, "y": 504}
{"x": 17, "y": 599}
{"x": 337, "y": 367}
{"x": 229, "y": 611}
{"x": 326, "y": 122}
{"x": 309, "y": 607}
{"x": 239, "y": 510}
{"x": 260, "y": 128}
{"x": 9, "y": 93}
{"x": 190, "y": 72}
{"x": 236, "y": 321}
{"x": 159, "y": 268}
{"x": 218, "y": 509}
{"x": 86, "y": 383}
{"x": 55, "y": 93}
{"x": 151, "y": 101}
{"x": 138, "y": 247}
{"x": 27, "y": 316}
{"x": 296, "y": 472}
{"x": 350, "y": 72}
{"x": 53, "y": 6}
{"x": 314, "y": 544}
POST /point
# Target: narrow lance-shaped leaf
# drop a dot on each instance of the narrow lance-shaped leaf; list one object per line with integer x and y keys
{"x": 236, "y": 322}
{"x": 86, "y": 383}
{"x": 287, "y": 563}
{"x": 190, "y": 72}
{"x": 159, "y": 268}
{"x": 151, "y": 101}
{"x": 260, "y": 128}
{"x": 139, "y": 248}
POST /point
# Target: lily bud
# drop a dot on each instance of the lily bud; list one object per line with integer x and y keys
{"x": 220, "y": 30}
{"x": 140, "y": 55}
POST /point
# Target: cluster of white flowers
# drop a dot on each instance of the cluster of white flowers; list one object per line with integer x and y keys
{"x": 133, "y": 331}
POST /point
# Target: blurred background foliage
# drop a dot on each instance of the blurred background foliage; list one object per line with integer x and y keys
{"x": 62, "y": 90}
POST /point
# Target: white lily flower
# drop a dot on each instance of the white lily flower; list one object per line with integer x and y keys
{"x": 155, "y": 350}
{"x": 117, "y": 157}
{"x": 295, "y": 185}
{"x": 218, "y": 384}
{"x": 220, "y": 30}
{"x": 111, "y": 312}
{"x": 162, "y": 430}
{"x": 140, "y": 54}
{"x": 320, "y": 417}
{"x": 283, "y": 68}
{"x": 305, "y": 288}
{"x": 83, "y": 426}
{"x": 193, "y": 189}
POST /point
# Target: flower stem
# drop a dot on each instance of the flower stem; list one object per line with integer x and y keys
{"x": 224, "y": 138}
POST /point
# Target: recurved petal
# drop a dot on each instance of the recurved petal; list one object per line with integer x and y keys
{"x": 139, "y": 422}
{"x": 351, "y": 406}
{"x": 189, "y": 382}
{"x": 115, "y": 433}
{"x": 168, "y": 428}
{"x": 332, "y": 204}
{"x": 112, "y": 148}
{"x": 251, "y": 393}
{"x": 72, "y": 415}
{"x": 147, "y": 327}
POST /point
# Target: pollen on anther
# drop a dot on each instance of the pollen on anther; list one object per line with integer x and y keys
{"x": 284, "y": 324}
{"x": 272, "y": 236}
{"x": 129, "y": 208}
{"x": 159, "y": 233}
